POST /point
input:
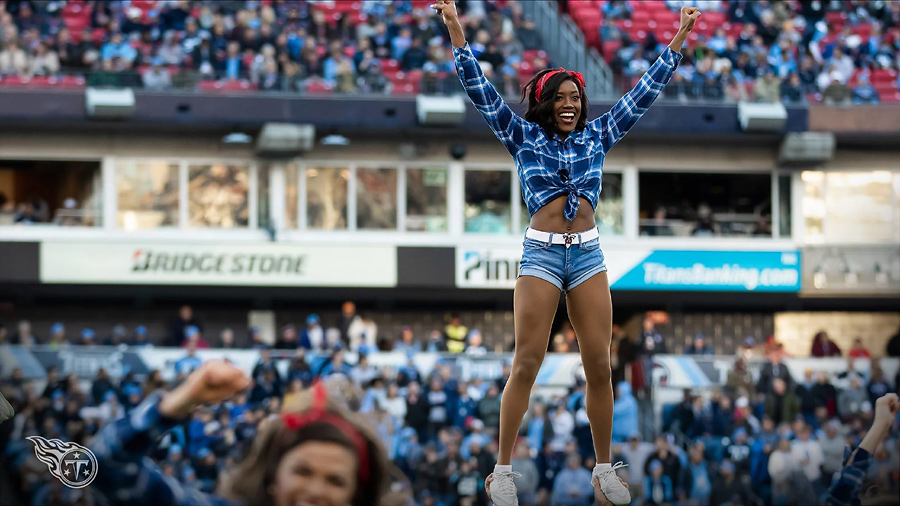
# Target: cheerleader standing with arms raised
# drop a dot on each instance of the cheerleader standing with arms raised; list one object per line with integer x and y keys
{"x": 559, "y": 158}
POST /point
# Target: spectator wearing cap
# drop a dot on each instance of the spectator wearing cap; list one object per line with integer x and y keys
{"x": 141, "y": 338}
{"x": 133, "y": 396}
{"x": 739, "y": 450}
{"x": 658, "y": 489}
{"x": 475, "y": 344}
{"x": 58, "y": 336}
{"x": 313, "y": 336}
{"x": 189, "y": 362}
{"x": 193, "y": 338}
{"x": 87, "y": 337}
{"x": 257, "y": 341}
{"x": 156, "y": 78}
{"x": 699, "y": 347}
{"x": 727, "y": 488}
{"x": 409, "y": 373}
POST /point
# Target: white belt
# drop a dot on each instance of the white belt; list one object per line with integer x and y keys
{"x": 568, "y": 238}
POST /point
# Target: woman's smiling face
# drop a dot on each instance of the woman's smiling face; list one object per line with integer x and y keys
{"x": 567, "y": 106}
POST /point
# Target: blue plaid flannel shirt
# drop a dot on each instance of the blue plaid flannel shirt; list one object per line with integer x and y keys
{"x": 549, "y": 167}
{"x": 126, "y": 474}
{"x": 847, "y": 486}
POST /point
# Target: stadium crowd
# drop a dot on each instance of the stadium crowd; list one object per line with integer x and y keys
{"x": 297, "y": 46}
{"x": 836, "y": 51}
{"x": 774, "y": 439}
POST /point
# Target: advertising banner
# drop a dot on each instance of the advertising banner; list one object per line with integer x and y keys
{"x": 644, "y": 269}
{"x": 154, "y": 263}
{"x": 719, "y": 271}
{"x": 84, "y": 362}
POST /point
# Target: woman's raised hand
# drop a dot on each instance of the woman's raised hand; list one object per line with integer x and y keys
{"x": 447, "y": 10}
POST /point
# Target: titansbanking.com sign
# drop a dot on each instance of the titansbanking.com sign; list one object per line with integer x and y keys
{"x": 225, "y": 265}
{"x": 735, "y": 271}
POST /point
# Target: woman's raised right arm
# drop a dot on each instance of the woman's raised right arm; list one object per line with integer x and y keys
{"x": 506, "y": 125}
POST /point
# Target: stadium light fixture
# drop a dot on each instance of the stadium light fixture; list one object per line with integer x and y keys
{"x": 237, "y": 138}
{"x": 335, "y": 140}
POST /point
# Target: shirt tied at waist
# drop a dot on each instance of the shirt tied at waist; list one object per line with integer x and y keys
{"x": 572, "y": 202}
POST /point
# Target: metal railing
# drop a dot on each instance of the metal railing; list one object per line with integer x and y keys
{"x": 564, "y": 42}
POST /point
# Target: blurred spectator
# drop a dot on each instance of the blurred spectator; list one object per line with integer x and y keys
{"x": 658, "y": 487}
{"x": 858, "y": 350}
{"x": 625, "y": 413}
{"x": 185, "y": 320}
{"x": 864, "y": 92}
{"x": 194, "y": 339}
{"x": 288, "y": 339}
{"x": 771, "y": 370}
{"x": 853, "y": 400}
{"x": 792, "y": 90}
{"x": 572, "y": 486}
{"x": 825, "y": 394}
{"x": 893, "y": 345}
{"x": 157, "y": 77}
{"x": 823, "y": 346}
{"x": 698, "y": 347}
{"x": 313, "y": 336}
{"x": 781, "y": 404}
{"x": 455, "y": 333}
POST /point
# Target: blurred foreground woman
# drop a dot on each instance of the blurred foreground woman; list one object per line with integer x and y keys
{"x": 316, "y": 453}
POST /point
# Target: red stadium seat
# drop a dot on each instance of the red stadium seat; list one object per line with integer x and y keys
{"x": 319, "y": 88}
{"x": 225, "y": 86}
{"x": 610, "y": 48}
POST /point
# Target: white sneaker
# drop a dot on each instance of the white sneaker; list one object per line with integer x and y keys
{"x": 610, "y": 485}
{"x": 503, "y": 489}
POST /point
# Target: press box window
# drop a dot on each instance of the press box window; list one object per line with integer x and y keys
{"x": 218, "y": 196}
{"x": 488, "y": 201}
{"x": 147, "y": 193}
{"x": 705, "y": 205}
{"x": 426, "y": 200}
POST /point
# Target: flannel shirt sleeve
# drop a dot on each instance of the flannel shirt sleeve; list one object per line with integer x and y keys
{"x": 612, "y": 126}
{"x": 846, "y": 488}
{"x": 127, "y": 476}
{"x": 506, "y": 125}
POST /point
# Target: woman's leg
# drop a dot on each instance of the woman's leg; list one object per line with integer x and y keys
{"x": 590, "y": 310}
{"x": 535, "y": 303}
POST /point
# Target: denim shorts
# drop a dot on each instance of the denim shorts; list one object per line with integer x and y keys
{"x": 564, "y": 267}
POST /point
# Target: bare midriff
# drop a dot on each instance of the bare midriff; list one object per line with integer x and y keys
{"x": 550, "y": 218}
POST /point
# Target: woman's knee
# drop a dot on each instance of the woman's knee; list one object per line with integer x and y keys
{"x": 597, "y": 370}
{"x": 526, "y": 366}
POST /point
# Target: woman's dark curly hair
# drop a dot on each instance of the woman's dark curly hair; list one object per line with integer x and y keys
{"x": 540, "y": 109}
{"x": 251, "y": 480}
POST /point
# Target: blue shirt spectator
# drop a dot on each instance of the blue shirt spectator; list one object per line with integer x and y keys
{"x": 117, "y": 48}
{"x": 572, "y": 486}
{"x": 625, "y": 413}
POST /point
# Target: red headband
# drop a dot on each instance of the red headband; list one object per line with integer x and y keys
{"x": 296, "y": 421}
{"x": 540, "y": 86}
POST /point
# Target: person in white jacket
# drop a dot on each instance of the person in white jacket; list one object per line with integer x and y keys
{"x": 808, "y": 454}
{"x": 781, "y": 463}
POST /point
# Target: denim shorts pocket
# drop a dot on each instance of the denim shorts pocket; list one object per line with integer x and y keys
{"x": 533, "y": 244}
{"x": 592, "y": 245}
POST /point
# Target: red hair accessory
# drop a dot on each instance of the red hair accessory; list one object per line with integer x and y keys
{"x": 318, "y": 414}
{"x": 540, "y": 85}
